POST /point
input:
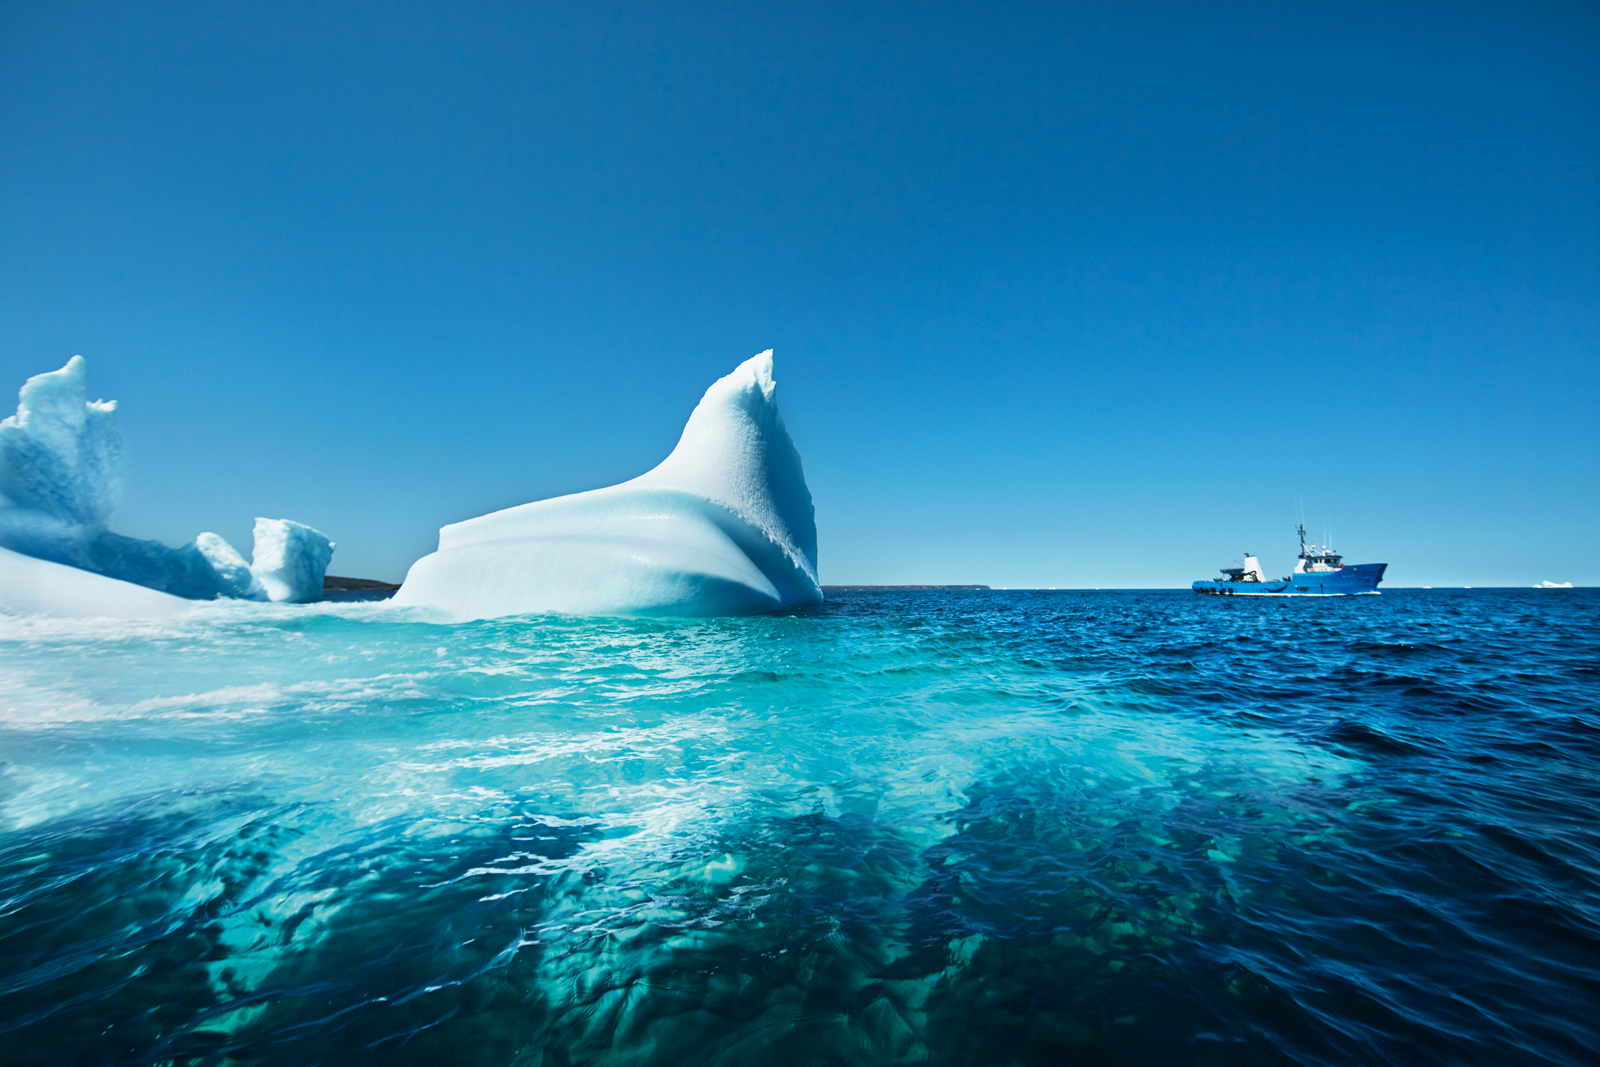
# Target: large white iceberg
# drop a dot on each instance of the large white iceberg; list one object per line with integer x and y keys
{"x": 60, "y": 479}
{"x": 724, "y": 526}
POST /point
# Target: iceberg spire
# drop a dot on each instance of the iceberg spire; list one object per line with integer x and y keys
{"x": 723, "y": 526}
{"x": 735, "y": 451}
{"x": 61, "y": 455}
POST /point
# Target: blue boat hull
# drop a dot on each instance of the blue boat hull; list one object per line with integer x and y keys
{"x": 1350, "y": 580}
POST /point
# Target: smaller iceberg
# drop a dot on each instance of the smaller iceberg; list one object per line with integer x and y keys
{"x": 723, "y": 526}
{"x": 233, "y": 575}
{"x": 289, "y": 561}
{"x": 60, "y": 481}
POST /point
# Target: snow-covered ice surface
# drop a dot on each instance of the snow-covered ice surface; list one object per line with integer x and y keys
{"x": 60, "y": 480}
{"x": 723, "y": 526}
{"x": 31, "y": 586}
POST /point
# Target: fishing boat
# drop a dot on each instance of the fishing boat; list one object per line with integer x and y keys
{"x": 1320, "y": 571}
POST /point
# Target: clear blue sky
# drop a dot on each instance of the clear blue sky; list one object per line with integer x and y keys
{"x": 1061, "y": 294}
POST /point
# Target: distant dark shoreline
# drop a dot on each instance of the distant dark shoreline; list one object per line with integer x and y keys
{"x": 365, "y": 584}
{"x": 337, "y": 588}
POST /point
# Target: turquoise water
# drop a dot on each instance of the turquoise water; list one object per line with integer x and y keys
{"x": 946, "y": 828}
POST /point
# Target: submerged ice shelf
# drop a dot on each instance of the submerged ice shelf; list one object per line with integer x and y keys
{"x": 723, "y": 526}
{"x": 60, "y": 480}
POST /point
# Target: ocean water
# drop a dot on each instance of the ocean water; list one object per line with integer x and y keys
{"x": 1006, "y": 828}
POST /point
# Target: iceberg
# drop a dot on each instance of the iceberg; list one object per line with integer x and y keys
{"x": 60, "y": 481}
{"x": 723, "y": 526}
{"x": 289, "y": 561}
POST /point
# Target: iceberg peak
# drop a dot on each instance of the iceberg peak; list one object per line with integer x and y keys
{"x": 735, "y": 451}
{"x": 61, "y": 454}
{"x": 723, "y": 526}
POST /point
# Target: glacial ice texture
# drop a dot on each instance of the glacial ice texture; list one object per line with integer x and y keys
{"x": 60, "y": 480}
{"x": 234, "y": 576}
{"x": 60, "y": 468}
{"x": 290, "y": 559}
{"x": 723, "y": 526}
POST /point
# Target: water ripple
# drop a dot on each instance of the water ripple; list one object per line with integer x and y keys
{"x": 942, "y": 828}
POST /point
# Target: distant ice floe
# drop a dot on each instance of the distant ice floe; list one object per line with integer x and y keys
{"x": 723, "y": 526}
{"x": 60, "y": 481}
{"x": 1548, "y": 584}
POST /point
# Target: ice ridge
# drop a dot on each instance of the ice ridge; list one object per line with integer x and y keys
{"x": 723, "y": 526}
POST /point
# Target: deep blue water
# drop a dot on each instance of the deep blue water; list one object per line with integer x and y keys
{"x": 947, "y": 828}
